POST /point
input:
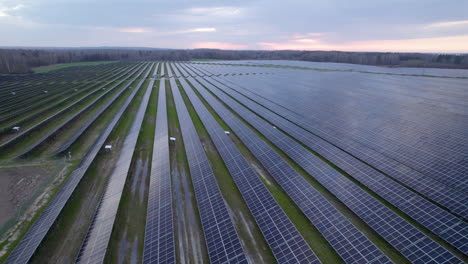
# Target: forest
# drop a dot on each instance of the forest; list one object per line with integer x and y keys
{"x": 22, "y": 60}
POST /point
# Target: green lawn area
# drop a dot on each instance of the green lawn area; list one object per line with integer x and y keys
{"x": 49, "y": 68}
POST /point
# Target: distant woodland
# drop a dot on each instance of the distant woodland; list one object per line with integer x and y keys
{"x": 23, "y": 60}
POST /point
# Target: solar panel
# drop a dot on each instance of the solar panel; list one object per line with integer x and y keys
{"x": 284, "y": 239}
{"x": 159, "y": 232}
{"x": 222, "y": 241}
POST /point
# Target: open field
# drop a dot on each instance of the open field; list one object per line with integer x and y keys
{"x": 233, "y": 162}
{"x": 54, "y": 67}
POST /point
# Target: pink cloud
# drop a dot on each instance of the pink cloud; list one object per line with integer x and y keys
{"x": 217, "y": 45}
{"x": 440, "y": 44}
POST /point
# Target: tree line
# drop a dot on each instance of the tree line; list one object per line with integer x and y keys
{"x": 23, "y": 60}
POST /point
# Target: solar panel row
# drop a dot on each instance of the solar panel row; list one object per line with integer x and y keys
{"x": 94, "y": 247}
{"x": 36, "y": 233}
{"x": 439, "y": 221}
{"x": 159, "y": 232}
{"x": 169, "y": 70}
{"x": 284, "y": 239}
{"x": 163, "y": 67}
{"x": 404, "y": 237}
{"x": 222, "y": 241}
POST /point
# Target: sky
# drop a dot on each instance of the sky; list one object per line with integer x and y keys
{"x": 439, "y": 26}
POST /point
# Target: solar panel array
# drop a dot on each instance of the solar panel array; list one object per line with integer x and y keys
{"x": 439, "y": 221}
{"x": 75, "y": 115}
{"x": 222, "y": 242}
{"x": 38, "y": 230}
{"x": 23, "y": 96}
{"x": 159, "y": 232}
{"x": 90, "y": 121}
{"x": 95, "y": 244}
{"x": 427, "y": 133}
{"x": 285, "y": 241}
{"x": 400, "y": 138}
{"x": 38, "y": 125}
{"x": 432, "y": 188}
{"x": 411, "y": 242}
{"x": 345, "y": 238}
{"x": 376, "y": 156}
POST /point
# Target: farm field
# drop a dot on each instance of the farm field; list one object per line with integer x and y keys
{"x": 212, "y": 161}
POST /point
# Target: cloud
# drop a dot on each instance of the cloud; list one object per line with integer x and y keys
{"x": 456, "y": 44}
{"x": 200, "y": 30}
{"x": 297, "y": 24}
{"x": 448, "y": 24}
{"x": 5, "y": 11}
{"x": 158, "y": 33}
{"x": 214, "y": 11}
{"x": 217, "y": 45}
{"x": 134, "y": 30}
{"x": 307, "y": 40}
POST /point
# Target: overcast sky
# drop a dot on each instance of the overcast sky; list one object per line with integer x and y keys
{"x": 354, "y": 25}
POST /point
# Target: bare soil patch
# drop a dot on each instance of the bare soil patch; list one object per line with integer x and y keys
{"x": 18, "y": 185}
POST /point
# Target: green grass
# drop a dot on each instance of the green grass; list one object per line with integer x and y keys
{"x": 49, "y": 68}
